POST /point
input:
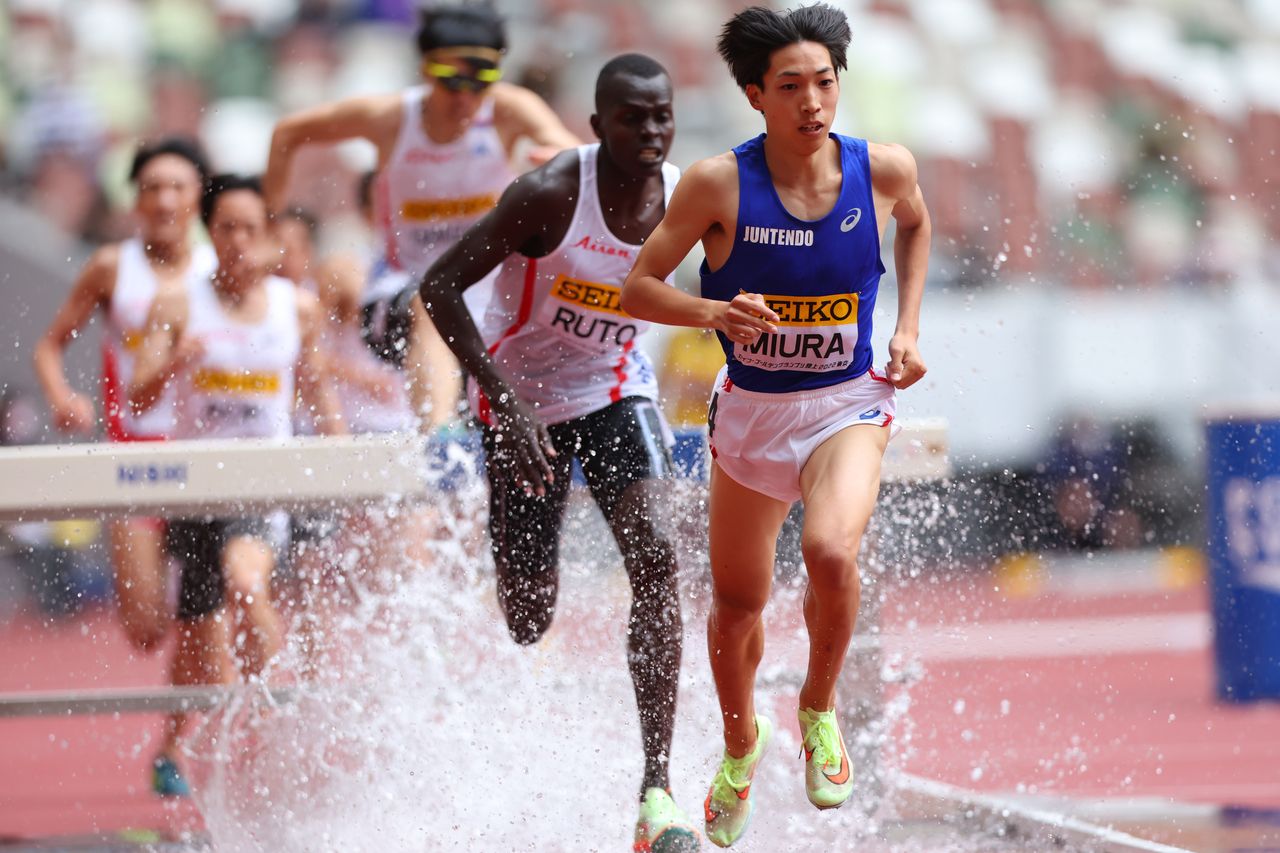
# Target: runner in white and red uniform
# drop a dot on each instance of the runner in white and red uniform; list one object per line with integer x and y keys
{"x": 232, "y": 347}
{"x": 429, "y": 193}
{"x": 443, "y": 155}
{"x": 559, "y": 377}
{"x": 136, "y": 287}
{"x": 121, "y": 280}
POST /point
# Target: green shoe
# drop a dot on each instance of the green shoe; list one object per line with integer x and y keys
{"x": 166, "y": 778}
{"x": 827, "y": 777}
{"x": 662, "y": 827}
{"x": 728, "y": 805}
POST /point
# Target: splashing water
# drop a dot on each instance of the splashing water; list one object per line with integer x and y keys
{"x": 435, "y": 731}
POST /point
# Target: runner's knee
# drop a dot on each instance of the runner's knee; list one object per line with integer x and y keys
{"x": 832, "y": 566}
{"x": 739, "y": 604}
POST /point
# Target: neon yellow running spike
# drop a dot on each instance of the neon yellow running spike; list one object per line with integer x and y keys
{"x": 828, "y": 778}
{"x": 728, "y": 806}
{"x": 662, "y": 827}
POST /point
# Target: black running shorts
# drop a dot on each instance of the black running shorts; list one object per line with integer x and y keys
{"x": 197, "y": 543}
{"x": 616, "y": 447}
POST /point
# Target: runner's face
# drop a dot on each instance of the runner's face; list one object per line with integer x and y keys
{"x": 799, "y": 95}
{"x": 636, "y": 124}
{"x": 448, "y": 101}
{"x": 168, "y": 198}
{"x": 238, "y": 230}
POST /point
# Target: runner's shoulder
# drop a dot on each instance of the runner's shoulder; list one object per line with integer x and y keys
{"x": 710, "y": 182}
{"x": 552, "y": 182}
{"x": 99, "y": 273}
{"x": 893, "y": 168}
{"x": 105, "y": 260}
{"x": 510, "y": 98}
{"x": 719, "y": 169}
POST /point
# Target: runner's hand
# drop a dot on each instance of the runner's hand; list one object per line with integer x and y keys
{"x": 74, "y": 414}
{"x": 744, "y": 319}
{"x": 523, "y": 443}
{"x": 906, "y": 367}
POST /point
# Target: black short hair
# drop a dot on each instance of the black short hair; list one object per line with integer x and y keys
{"x": 225, "y": 183}
{"x": 303, "y": 216}
{"x": 750, "y": 38}
{"x": 626, "y": 65}
{"x": 467, "y": 25}
{"x": 181, "y": 146}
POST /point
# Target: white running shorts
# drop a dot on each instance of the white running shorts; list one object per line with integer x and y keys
{"x": 763, "y": 441}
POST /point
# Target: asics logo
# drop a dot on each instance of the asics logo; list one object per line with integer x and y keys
{"x": 850, "y": 221}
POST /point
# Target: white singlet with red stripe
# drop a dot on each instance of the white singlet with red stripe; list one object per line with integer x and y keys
{"x": 428, "y": 193}
{"x": 554, "y": 325}
{"x": 243, "y": 384}
{"x": 135, "y": 290}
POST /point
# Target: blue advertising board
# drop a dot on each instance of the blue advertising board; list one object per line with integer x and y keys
{"x": 1243, "y": 455}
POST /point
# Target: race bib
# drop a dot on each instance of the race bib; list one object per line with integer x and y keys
{"x": 588, "y": 316}
{"x": 815, "y": 333}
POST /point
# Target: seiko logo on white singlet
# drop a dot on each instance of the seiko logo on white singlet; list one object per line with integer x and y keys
{"x": 777, "y": 236}
{"x": 851, "y": 221}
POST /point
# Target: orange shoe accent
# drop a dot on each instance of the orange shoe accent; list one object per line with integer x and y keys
{"x": 707, "y": 813}
{"x": 745, "y": 792}
{"x": 841, "y": 777}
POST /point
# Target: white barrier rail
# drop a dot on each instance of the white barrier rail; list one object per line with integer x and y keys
{"x": 49, "y": 482}
{"x": 41, "y": 483}
{"x": 168, "y": 700}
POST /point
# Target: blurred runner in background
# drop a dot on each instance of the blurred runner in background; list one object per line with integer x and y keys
{"x": 122, "y": 280}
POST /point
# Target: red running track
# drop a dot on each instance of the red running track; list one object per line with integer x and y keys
{"x": 1109, "y": 713}
{"x": 1107, "y": 696}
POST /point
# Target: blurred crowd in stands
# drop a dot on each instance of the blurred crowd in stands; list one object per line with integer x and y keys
{"x": 1084, "y": 144}
{"x": 1081, "y": 143}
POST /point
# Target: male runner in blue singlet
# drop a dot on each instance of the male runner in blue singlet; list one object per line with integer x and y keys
{"x": 791, "y": 222}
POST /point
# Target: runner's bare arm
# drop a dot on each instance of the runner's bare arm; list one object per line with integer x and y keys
{"x": 72, "y": 411}
{"x": 163, "y": 352}
{"x": 314, "y": 385}
{"x": 696, "y": 208}
{"x": 894, "y": 173}
{"x": 519, "y": 113}
{"x": 520, "y": 216}
{"x": 375, "y": 118}
{"x": 531, "y": 215}
{"x": 435, "y": 382}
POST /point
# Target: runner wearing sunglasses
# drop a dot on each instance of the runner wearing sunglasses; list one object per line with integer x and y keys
{"x": 444, "y": 157}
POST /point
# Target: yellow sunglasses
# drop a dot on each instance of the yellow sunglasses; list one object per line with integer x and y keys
{"x": 455, "y": 80}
